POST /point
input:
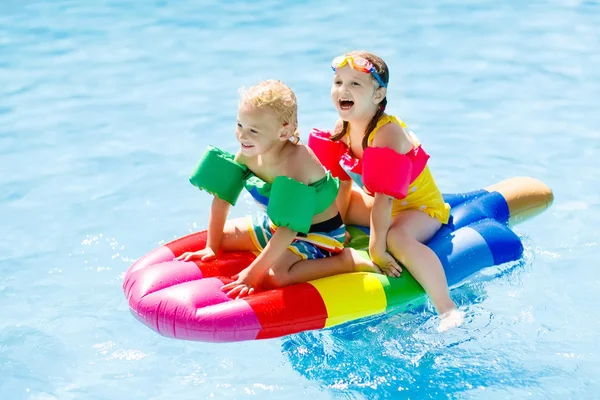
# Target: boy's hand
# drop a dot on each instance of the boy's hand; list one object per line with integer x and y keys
{"x": 206, "y": 254}
{"x": 243, "y": 286}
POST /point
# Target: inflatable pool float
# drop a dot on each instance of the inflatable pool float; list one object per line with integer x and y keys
{"x": 183, "y": 300}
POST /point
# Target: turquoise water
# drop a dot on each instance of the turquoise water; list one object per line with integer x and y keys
{"x": 105, "y": 107}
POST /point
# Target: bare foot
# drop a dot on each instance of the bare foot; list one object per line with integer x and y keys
{"x": 357, "y": 262}
{"x": 451, "y": 319}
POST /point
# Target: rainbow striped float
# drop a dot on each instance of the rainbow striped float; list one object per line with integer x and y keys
{"x": 183, "y": 300}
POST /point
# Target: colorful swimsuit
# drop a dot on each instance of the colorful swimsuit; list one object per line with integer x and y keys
{"x": 323, "y": 239}
{"x": 423, "y": 192}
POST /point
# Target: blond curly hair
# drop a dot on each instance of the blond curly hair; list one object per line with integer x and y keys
{"x": 277, "y": 97}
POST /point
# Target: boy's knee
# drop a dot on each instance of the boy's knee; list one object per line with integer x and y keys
{"x": 276, "y": 279}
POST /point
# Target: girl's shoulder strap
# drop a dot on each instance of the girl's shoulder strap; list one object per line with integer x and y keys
{"x": 386, "y": 119}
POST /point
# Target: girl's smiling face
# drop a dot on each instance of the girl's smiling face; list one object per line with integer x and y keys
{"x": 355, "y": 94}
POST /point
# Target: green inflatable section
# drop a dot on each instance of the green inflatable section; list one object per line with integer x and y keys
{"x": 399, "y": 292}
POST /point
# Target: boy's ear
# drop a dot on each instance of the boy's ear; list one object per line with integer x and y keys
{"x": 286, "y": 131}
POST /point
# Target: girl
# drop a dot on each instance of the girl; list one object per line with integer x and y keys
{"x": 400, "y": 200}
{"x": 301, "y": 222}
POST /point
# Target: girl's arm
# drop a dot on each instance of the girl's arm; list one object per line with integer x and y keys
{"x": 342, "y": 201}
{"x": 394, "y": 137}
{"x": 380, "y": 225}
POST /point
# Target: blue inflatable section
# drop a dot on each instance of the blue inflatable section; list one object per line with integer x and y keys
{"x": 477, "y": 235}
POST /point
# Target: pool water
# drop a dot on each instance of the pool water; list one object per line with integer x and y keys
{"x": 105, "y": 107}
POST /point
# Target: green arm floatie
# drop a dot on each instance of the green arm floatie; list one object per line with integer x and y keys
{"x": 327, "y": 190}
{"x": 292, "y": 204}
{"x": 219, "y": 175}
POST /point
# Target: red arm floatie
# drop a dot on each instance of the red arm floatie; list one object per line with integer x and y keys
{"x": 328, "y": 152}
{"x": 385, "y": 171}
{"x": 419, "y": 158}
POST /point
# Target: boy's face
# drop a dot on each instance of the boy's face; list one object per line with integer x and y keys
{"x": 257, "y": 130}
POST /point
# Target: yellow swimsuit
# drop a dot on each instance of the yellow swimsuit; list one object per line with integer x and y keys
{"x": 423, "y": 192}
